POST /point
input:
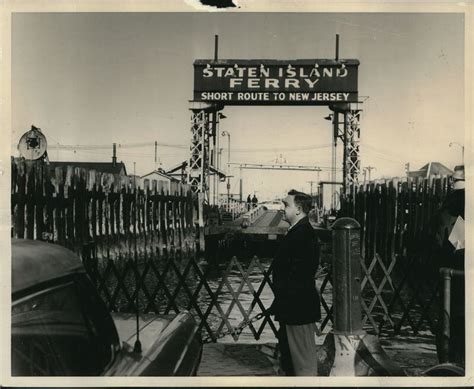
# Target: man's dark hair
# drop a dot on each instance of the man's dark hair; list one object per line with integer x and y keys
{"x": 302, "y": 200}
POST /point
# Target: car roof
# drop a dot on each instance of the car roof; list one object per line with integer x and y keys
{"x": 35, "y": 262}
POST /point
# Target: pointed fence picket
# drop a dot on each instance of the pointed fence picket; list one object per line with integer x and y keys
{"x": 102, "y": 214}
{"x": 401, "y": 282}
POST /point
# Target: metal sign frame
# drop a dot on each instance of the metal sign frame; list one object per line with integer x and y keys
{"x": 276, "y": 82}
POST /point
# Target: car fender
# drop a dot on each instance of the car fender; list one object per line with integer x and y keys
{"x": 169, "y": 347}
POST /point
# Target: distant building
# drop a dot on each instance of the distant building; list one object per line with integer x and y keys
{"x": 102, "y": 167}
{"x": 435, "y": 169}
{"x": 158, "y": 175}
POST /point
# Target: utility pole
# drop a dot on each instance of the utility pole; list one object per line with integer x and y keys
{"x": 134, "y": 176}
{"x": 369, "y": 169}
{"x": 241, "y": 186}
{"x": 311, "y": 183}
{"x": 114, "y": 154}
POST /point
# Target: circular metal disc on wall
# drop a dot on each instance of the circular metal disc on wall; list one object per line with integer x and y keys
{"x": 32, "y": 144}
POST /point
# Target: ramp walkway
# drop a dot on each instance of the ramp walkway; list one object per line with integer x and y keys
{"x": 269, "y": 222}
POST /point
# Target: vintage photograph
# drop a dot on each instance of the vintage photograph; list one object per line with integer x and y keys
{"x": 237, "y": 194}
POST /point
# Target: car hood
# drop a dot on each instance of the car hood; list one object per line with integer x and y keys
{"x": 150, "y": 326}
{"x": 165, "y": 340}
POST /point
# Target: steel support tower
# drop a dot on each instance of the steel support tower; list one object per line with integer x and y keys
{"x": 349, "y": 134}
{"x": 351, "y": 148}
{"x": 203, "y": 130}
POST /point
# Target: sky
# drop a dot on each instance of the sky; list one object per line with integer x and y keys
{"x": 98, "y": 78}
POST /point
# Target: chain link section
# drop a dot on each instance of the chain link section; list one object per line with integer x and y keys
{"x": 236, "y": 331}
{"x": 322, "y": 272}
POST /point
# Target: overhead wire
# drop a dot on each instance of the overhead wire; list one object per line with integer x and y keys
{"x": 108, "y": 146}
{"x": 121, "y": 154}
{"x": 180, "y": 146}
{"x": 277, "y": 149}
{"x": 384, "y": 153}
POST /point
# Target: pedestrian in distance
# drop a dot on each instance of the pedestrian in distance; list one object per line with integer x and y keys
{"x": 254, "y": 201}
{"x": 297, "y": 304}
{"x": 249, "y": 202}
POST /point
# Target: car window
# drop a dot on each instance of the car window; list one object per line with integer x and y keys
{"x": 54, "y": 333}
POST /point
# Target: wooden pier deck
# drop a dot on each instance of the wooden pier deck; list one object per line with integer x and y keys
{"x": 270, "y": 223}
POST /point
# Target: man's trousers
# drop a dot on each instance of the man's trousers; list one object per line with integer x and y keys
{"x": 298, "y": 352}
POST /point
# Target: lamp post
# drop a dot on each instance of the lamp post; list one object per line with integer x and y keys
{"x": 333, "y": 118}
{"x": 219, "y": 155}
{"x": 226, "y": 133}
{"x": 462, "y": 148}
{"x": 219, "y": 116}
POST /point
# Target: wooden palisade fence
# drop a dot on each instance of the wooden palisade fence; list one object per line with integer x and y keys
{"x": 401, "y": 282}
{"x": 77, "y": 208}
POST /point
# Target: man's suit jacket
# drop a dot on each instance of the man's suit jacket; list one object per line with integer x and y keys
{"x": 296, "y": 297}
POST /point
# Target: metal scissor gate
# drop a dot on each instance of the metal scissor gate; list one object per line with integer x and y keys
{"x": 224, "y": 299}
{"x": 229, "y": 297}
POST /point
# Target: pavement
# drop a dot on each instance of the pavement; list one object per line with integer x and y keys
{"x": 226, "y": 359}
{"x": 413, "y": 354}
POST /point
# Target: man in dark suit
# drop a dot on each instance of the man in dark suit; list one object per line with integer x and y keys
{"x": 296, "y": 305}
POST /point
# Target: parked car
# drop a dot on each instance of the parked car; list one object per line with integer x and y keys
{"x": 61, "y": 327}
{"x": 274, "y": 205}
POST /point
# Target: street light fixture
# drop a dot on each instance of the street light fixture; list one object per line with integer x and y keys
{"x": 226, "y": 133}
{"x": 220, "y": 116}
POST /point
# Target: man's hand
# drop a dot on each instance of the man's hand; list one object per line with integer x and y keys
{"x": 270, "y": 311}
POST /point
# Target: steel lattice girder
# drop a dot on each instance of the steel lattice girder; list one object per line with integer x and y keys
{"x": 196, "y": 166}
{"x": 199, "y": 147}
{"x": 351, "y": 148}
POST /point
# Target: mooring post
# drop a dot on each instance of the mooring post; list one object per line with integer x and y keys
{"x": 347, "y": 324}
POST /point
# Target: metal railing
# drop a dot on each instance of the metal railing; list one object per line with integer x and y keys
{"x": 233, "y": 207}
{"x": 251, "y": 216}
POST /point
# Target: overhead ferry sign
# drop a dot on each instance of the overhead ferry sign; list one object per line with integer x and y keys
{"x": 273, "y": 82}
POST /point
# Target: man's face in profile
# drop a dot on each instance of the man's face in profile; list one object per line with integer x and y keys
{"x": 289, "y": 209}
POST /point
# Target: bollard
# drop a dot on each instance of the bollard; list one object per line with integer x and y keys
{"x": 347, "y": 319}
{"x": 355, "y": 352}
{"x": 346, "y": 277}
